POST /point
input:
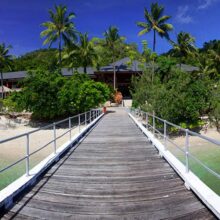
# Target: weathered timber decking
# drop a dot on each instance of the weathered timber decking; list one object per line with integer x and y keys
{"x": 115, "y": 173}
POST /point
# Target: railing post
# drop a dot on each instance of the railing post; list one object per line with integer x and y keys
{"x": 187, "y": 150}
{"x": 54, "y": 138}
{"x": 79, "y": 122}
{"x": 165, "y": 134}
{"x": 27, "y": 155}
{"x": 70, "y": 128}
{"x": 85, "y": 118}
{"x": 90, "y": 116}
{"x": 153, "y": 123}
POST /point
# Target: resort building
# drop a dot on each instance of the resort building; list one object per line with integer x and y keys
{"x": 125, "y": 69}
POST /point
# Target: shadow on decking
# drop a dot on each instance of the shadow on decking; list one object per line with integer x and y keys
{"x": 20, "y": 196}
{"x": 110, "y": 111}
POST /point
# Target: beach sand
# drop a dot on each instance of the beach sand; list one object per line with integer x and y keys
{"x": 16, "y": 149}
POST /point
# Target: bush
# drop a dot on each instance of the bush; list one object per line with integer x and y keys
{"x": 214, "y": 114}
{"x": 183, "y": 98}
{"x": 81, "y": 94}
{"x": 49, "y": 95}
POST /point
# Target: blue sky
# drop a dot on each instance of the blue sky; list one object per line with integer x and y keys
{"x": 20, "y": 20}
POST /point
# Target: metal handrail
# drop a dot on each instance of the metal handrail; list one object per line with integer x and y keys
{"x": 93, "y": 114}
{"x": 185, "y": 150}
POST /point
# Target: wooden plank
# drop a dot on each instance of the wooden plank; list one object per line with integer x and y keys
{"x": 114, "y": 173}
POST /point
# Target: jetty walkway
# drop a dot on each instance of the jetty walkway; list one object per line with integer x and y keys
{"x": 114, "y": 173}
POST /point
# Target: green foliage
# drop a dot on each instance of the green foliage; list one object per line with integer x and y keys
{"x": 5, "y": 62}
{"x": 1, "y": 105}
{"x": 214, "y": 113}
{"x": 165, "y": 65}
{"x": 184, "y": 46}
{"x": 211, "y": 45}
{"x": 43, "y": 58}
{"x": 91, "y": 94}
{"x": 59, "y": 28}
{"x": 181, "y": 99}
{"x": 40, "y": 94}
{"x": 123, "y": 49}
{"x": 155, "y": 21}
{"x": 81, "y": 54}
{"x": 68, "y": 95}
{"x": 49, "y": 95}
{"x": 113, "y": 41}
{"x": 11, "y": 102}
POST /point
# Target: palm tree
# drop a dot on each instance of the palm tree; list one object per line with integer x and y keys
{"x": 5, "y": 61}
{"x": 156, "y": 21}
{"x": 184, "y": 46}
{"x": 60, "y": 27}
{"x": 81, "y": 54}
{"x": 112, "y": 38}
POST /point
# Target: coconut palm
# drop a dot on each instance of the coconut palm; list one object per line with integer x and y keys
{"x": 184, "y": 46}
{"x": 81, "y": 54}
{"x": 59, "y": 28}
{"x": 5, "y": 61}
{"x": 209, "y": 63}
{"x": 112, "y": 38}
{"x": 156, "y": 21}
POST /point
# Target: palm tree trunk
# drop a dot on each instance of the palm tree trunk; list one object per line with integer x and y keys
{"x": 60, "y": 59}
{"x": 84, "y": 69}
{"x": 154, "y": 48}
{"x": 154, "y": 42}
{"x": 114, "y": 76}
{"x": 2, "y": 86}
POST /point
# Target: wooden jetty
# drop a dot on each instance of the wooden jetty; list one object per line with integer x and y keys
{"x": 114, "y": 173}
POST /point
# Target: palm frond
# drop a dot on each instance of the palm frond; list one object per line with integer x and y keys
{"x": 166, "y": 27}
{"x": 163, "y": 19}
{"x": 142, "y": 32}
{"x": 156, "y": 11}
{"x": 142, "y": 24}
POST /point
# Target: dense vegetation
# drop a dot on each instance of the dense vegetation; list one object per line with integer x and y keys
{"x": 165, "y": 87}
{"x": 49, "y": 95}
{"x": 46, "y": 58}
{"x": 179, "y": 96}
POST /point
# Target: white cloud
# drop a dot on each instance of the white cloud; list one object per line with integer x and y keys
{"x": 205, "y": 3}
{"x": 183, "y": 16}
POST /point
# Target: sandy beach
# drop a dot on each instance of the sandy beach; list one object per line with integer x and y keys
{"x": 16, "y": 149}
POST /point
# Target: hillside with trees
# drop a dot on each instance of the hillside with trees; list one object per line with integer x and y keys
{"x": 165, "y": 87}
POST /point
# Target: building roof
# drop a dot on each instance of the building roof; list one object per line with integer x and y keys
{"x": 188, "y": 68}
{"x": 15, "y": 75}
{"x": 69, "y": 72}
{"x": 123, "y": 65}
{"x": 65, "y": 72}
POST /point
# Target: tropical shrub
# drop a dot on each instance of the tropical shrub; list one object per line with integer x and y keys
{"x": 182, "y": 99}
{"x": 214, "y": 114}
{"x": 49, "y": 95}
